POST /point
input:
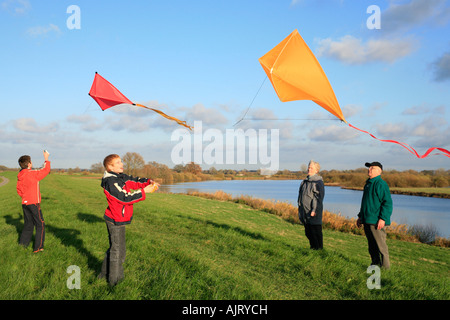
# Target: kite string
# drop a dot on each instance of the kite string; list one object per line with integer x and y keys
{"x": 406, "y": 146}
{"x": 255, "y": 119}
{"x": 290, "y": 119}
{"x": 252, "y": 101}
{"x": 183, "y": 123}
{"x": 88, "y": 107}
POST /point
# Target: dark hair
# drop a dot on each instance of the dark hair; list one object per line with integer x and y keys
{"x": 24, "y": 161}
{"x": 109, "y": 159}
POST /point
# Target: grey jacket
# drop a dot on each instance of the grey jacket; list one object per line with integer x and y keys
{"x": 310, "y": 198}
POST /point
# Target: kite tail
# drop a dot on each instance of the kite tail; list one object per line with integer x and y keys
{"x": 183, "y": 123}
{"x": 406, "y": 146}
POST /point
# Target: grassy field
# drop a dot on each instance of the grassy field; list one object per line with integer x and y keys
{"x": 182, "y": 247}
{"x": 444, "y": 192}
{"x": 423, "y": 192}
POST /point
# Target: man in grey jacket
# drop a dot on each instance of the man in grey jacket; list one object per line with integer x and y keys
{"x": 310, "y": 205}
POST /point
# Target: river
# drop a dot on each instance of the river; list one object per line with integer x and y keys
{"x": 410, "y": 210}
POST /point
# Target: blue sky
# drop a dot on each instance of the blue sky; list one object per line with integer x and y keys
{"x": 198, "y": 61}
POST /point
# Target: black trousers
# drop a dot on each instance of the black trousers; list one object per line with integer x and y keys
{"x": 33, "y": 218}
{"x": 314, "y": 235}
{"x": 112, "y": 267}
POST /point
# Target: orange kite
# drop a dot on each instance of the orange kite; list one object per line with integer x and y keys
{"x": 296, "y": 74}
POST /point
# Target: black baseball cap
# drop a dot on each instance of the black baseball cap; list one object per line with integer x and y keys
{"x": 374, "y": 164}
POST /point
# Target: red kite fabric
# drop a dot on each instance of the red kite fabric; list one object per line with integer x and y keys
{"x": 296, "y": 74}
{"x": 107, "y": 96}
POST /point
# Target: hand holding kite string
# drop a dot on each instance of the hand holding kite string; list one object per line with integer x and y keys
{"x": 296, "y": 74}
{"x": 152, "y": 187}
{"x": 107, "y": 96}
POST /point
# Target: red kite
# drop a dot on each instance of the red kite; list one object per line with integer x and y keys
{"x": 296, "y": 74}
{"x": 107, "y": 96}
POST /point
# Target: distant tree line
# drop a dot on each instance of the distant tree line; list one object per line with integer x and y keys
{"x": 402, "y": 179}
{"x": 135, "y": 165}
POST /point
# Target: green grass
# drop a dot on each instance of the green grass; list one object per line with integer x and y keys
{"x": 445, "y": 191}
{"x": 183, "y": 247}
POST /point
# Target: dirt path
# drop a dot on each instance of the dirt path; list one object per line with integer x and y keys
{"x": 4, "y": 181}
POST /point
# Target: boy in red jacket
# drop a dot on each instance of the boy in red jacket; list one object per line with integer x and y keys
{"x": 28, "y": 189}
{"x": 122, "y": 191}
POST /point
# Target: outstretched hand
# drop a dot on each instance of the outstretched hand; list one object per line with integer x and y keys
{"x": 151, "y": 187}
{"x": 46, "y": 154}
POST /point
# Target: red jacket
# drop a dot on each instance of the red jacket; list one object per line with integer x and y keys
{"x": 118, "y": 190}
{"x": 28, "y": 183}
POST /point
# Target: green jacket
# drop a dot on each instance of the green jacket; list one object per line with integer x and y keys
{"x": 376, "y": 202}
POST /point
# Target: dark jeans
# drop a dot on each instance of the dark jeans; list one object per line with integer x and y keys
{"x": 378, "y": 248}
{"x": 314, "y": 235}
{"x": 112, "y": 267}
{"x": 32, "y": 216}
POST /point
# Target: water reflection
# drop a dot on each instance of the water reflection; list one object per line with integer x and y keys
{"x": 407, "y": 209}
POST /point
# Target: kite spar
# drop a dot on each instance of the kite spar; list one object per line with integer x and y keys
{"x": 107, "y": 96}
{"x": 296, "y": 74}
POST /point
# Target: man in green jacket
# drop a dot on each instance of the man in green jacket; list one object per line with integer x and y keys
{"x": 375, "y": 214}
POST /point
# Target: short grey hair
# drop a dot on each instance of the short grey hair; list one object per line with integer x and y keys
{"x": 315, "y": 164}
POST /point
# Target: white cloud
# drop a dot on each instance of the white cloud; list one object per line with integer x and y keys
{"x": 402, "y": 17}
{"x": 416, "y": 110}
{"x": 85, "y": 118}
{"x": 30, "y": 125}
{"x": 128, "y": 123}
{"x": 209, "y": 116}
{"x": 137, "y": 119}
{"x": 295, "y": 2}
{"x": 351, "y": 110}
{"x": 332, "y": 133}
{"x": 86, "y": 121}
{"x": 263, "y": 114}
{"x": 392, "y": 130}
{"x": 441, "y": 68}
{"x": 431, "y": 127}
{"x": 351, "y": 50}
{"x": 428, "y": 132}
{"x": 16, "y": 7}
{"x": 424, "y": 109}
{"x": 263, "y": 118}
{"x": 41, "y": 31}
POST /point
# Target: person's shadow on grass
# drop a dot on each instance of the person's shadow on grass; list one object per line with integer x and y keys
{"x": 68, "y": 237}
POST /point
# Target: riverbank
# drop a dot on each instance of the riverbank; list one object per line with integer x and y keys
{"x": 443, "y": 193}
{"x": 330, "y": 220}
{"x": 351, "y": 180}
